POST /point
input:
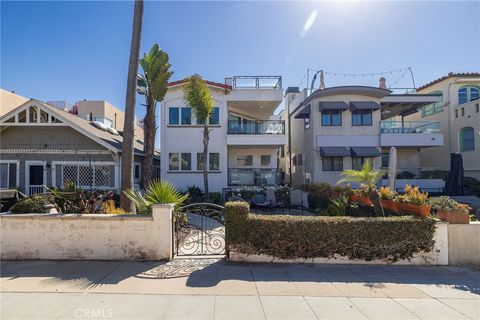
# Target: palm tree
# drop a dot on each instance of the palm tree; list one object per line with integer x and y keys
{"x": 152, "y": 84}
{"x": 199, "y": 98}
{"x": 129, "y": 125}
{"x": 367, "y": 177}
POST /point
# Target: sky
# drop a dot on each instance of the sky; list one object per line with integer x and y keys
{"x": 79, "y": 50}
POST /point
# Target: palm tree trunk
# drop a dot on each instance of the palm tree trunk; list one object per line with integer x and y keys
{"x": 377, "y": 204}
{"x": 149, "y": 132}
{"x": 129, "y": 125}
{"x": 205, "y": 161}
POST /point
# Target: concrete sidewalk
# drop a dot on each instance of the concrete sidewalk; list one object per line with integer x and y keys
{"x": 214, "y": 289}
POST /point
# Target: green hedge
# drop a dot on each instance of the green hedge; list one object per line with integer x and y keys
{"x": 289, "y": 237}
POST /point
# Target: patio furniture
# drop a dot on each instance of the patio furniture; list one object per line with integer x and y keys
{"x": 260, "y": 200}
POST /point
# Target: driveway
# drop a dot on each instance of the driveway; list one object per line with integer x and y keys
{"x": 215, "y": 289}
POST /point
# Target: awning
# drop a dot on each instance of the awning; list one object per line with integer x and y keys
{"x": 365, "y": 152}
{"x": 364, "y": 105}
{"x": 334, "y": 152}
{"x": 304, "y": 113}
{"x": 336, "y": 105}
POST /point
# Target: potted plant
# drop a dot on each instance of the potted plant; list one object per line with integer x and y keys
{"x": 360, "y": 195}
{"x": 387, "y": 197}
{"x": 414, "y": 202}
{"x": 450, "y": 210}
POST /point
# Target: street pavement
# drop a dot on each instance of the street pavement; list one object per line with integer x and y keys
{"x": 215, "y": 289}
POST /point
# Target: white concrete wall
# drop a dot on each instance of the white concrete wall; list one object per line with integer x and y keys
{"x": 464, "y": 244}
{"x": 87, "y": 236}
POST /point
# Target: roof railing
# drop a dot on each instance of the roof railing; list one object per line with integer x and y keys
{"x": 255, "y": 82}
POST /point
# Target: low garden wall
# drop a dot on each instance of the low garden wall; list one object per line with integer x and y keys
{"x": 401, "y": 240}
{"x": 87, "y": 236}
{"x": 464, "y": 244}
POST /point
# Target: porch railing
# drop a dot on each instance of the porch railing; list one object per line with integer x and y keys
{"x": 255, "y": 82}
{"x": 254, "y": 177}
{"x": 419, "y": 173}
{"x": 409, "y": 127}
{"x": 256, "y": 127}
{"x": 35, "y": 189}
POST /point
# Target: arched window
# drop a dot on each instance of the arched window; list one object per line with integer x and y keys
{"x": 433, "y": 108}
{"x": 467, "y": 139}
{"x": 467, "y": 94}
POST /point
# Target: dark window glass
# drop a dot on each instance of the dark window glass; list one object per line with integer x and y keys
{"x": 362, "y": 118}
{"x": 186, "y": 116}
{"x": 332, "y": 164}
{"x": 385, "y": 158}
{"x": 137, "y": 172}
{"x": 214, "y": 161}
{"x": 357, "y": 162}
{"x": 331, "y": 118}
{"x": 200, "y": 161}
{"x": 215, "y": 116}
{"x": 186, "y": 161}
{"x": 462, "y": 96}
{"x": 462, "y": 111}
{"x": 467, "y": 139}
{"x": 173, "y": 116}
{"x": 173, "y": 161}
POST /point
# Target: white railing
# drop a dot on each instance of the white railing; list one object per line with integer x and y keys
{"x": 36, "y": 189}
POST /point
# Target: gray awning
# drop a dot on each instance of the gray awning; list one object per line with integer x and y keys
{"x": 334, "y": 152}
{"x": 304, "y": 113}
{"x": 366, "y": 152}
{"x": 364, "y": 105}
{"x": 329, "y": 105}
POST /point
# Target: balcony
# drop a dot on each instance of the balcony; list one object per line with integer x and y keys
{"x": 255, "y": 82}
{"x": 253, "y": 132}
{"x": 254, "y": 177}
{"x": 427, "y": 178}
{"x": 410, "y": 134}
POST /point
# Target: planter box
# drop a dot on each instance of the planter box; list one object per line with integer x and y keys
{"x": 453, "y": 216}
{"x": 363, "y": 200}
{"x": 390, "y": 205}
{"x": 422, "y": 210}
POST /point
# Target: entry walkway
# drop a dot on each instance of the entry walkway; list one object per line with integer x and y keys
{"x": 215, "y": 289}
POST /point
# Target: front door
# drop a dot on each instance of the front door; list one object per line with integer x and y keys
{"x": 36, "y": 178}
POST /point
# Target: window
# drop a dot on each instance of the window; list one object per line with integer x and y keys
{"x": 186, "y": 161}
{"x": 33, "y": 113}
{"x": 200, "y": 161}
{"x": 186, "y": 116}
{"x": 331, "y": 118}
{"x": 362, "y": 118}
{"x": 173, "y": 114}
{"x": 433, "y": 108}
{"x": 282, "y": 152}
{"x": 8, "y": 175}
{"x": 88, "y": 176}
{"x": 456, "y": 113}
{"x": 265, "y": 160}
{"x": 244, "y": 160}
{"x": 467, "y": 139}
{"x": 173, "y": 161}
{"x": 157, "y": 172}
{"x": 462, "y": 111}
{"x": 214, "y": 161}
{"x": 299, "y": 160}
{"x": 136, "y": 172}
{"x": 385, "y": 159}
{"x": 357, "y": 162}
{"x": 332, "y": 164}
{"x": 477, "y": 107}
{"x": 215, "y": 116}
{"x": 467, "y": 94}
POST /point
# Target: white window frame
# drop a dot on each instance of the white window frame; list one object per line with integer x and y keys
{"x": 86, "y": 163}
{"x": 17, "y": 175}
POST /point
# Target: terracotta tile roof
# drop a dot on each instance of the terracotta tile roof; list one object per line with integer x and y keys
{"x": 450, "y": 74}
{"x": 210, "y": 83}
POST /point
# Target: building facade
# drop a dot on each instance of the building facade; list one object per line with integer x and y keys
{"x": 245, "y": 136}
{"x": 339, "y": 128}
{"x": 458, "y": 113}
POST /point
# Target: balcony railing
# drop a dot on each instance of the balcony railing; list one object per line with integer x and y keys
{"x": 255, "y": 82}
{"x": 254, "y": 177}
{"x": 256, "y": 127}
{"x": 409, "y": 127}
{"x": 418, "y": 173}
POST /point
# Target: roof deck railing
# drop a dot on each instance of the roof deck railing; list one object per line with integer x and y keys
{"x": 409, "y": 127}
{"x": 255, "y": 82}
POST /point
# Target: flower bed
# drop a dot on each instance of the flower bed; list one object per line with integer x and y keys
{"x": 290, "y": 237}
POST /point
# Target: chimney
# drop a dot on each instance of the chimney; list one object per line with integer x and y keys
{"x": 382, "y": 84}
{"x": 322, "y": 80}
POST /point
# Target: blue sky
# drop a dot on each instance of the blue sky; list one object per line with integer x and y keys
{"x": 79, "y": 50}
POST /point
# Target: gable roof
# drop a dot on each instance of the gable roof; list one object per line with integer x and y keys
{"x": 210, "y": 83}
{"x": 450, "y": 74}
{"x": 104, "y": 138}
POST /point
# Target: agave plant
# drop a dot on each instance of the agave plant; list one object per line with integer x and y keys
{"x": 158, "y": 191}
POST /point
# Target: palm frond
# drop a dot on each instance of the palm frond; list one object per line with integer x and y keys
{"x": 143, "y": 206}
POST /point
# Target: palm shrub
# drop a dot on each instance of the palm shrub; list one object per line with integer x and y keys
{"x": 158, "y": 191}
{"x": 368, "y": 177}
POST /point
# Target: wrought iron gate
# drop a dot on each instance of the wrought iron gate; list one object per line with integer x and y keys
{"x": 198, "y": 230}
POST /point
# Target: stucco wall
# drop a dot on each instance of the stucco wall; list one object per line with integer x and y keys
{"x": 77, "y": 237}
{"x": 464, "y": 244}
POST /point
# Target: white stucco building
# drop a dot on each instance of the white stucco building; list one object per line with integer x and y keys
{"x": 245, "y": 136}
{"x": 338, "y": 128}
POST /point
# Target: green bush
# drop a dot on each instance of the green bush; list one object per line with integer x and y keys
{"x": 34, "y": 204}
{"x": 289, "y": 237}
{"x": 215, "y": 197}
{"x": 472, "y": 186}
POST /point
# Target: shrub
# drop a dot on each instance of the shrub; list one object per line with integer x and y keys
{"x": 386, "y": 193}
{"x": 290, "y": 237}
{"x": 215, "y": 197}
{"x": 195, "y": 194}
{"x": 413, "y": 195}
{"x": 33, "y": 204}
{"x": 472, "y": 186}
{"x": 446, "y": 204}
{"x": 109, "y": 207}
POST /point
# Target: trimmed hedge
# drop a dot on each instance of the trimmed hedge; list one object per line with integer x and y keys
{"x": 288, "y": 237}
